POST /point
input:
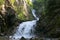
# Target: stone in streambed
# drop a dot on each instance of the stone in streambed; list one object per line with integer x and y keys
{"x": 22, "y": 38}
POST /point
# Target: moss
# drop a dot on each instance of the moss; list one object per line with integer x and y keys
{"x": 21, "y": 11}
{"x": 21, "y": 16}
{"x": 12, "y": 1}
{"x": 1, "y": 2}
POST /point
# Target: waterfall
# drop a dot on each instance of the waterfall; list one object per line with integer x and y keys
{"x": 33, "y": 12}
{"x": 26, "y": 29}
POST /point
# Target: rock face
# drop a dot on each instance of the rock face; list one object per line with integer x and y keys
{"x": 24, "y": 10}
{"x": 3, "y": 38}
{"x": 22, "y": 38}
{"x": 49, "y": 23}
{"x": 7, "y": 20}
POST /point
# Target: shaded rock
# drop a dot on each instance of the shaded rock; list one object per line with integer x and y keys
{"x": 22, "y": 38}
{"x": 7, "y": 20}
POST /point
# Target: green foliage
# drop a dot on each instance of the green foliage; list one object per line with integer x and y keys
{"x": 1, "y": 2}
{"x": 49, "y": 22}
{"x": 21, "y": 16}
{"x": 29, "y": 3}
{"x": 21, "y": 11}
{"x": 39, "y": 6}
{"x": 12, "y": 1}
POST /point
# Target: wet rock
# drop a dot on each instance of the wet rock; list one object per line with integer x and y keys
{"x": 22, "y": 38}
{"x": 36, "y": 39}
{"x": 31, "y": 39}
{"x": 7, "y": 20}
{"x": 3, "y": 38}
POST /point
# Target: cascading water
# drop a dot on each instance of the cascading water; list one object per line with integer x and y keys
{"x": 33, "y": 12}
{"x": 26, "y": 29}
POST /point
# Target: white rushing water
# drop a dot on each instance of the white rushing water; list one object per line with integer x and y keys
{"x": 26, "y": 29}
{"x": 33, "y": 12}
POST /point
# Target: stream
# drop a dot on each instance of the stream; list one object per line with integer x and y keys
{"x": 26, "y": 29}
